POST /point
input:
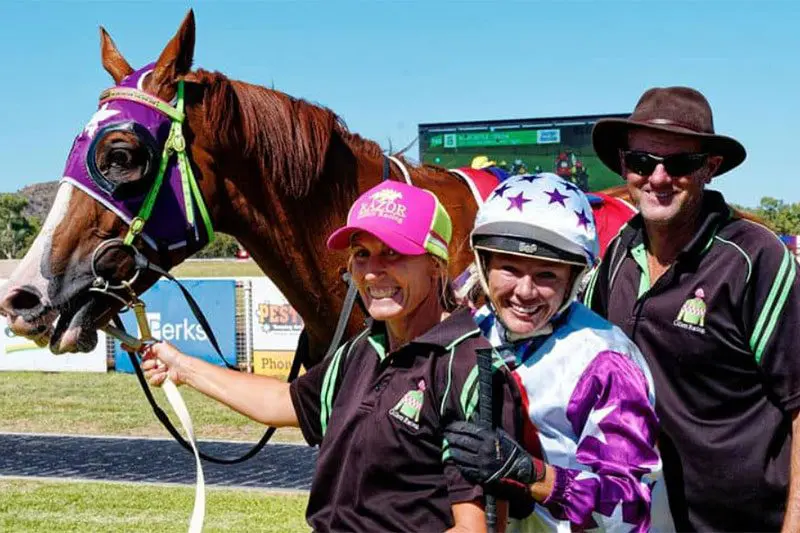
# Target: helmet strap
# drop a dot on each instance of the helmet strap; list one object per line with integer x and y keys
{"x": 547, "y": 328}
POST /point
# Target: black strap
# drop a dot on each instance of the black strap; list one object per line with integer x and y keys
{"x": 300, "y": 356}
{"x": 386, "y": 170}
{"x": 344, "y": 316}
{"x": 167, "y": 423}
{"x": 143, "y": 263}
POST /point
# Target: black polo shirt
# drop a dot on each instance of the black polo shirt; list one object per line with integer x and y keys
{"x": 721, "y": 333}
{"x": 378, "y": 419}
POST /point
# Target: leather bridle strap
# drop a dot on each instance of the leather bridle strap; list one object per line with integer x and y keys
{"x": 352, "y": 294}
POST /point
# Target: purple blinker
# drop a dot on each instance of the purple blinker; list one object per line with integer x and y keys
{"x": 167, "y": 225}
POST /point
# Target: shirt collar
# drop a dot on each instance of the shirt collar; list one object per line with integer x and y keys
{"x": 713, "y": 213}
{"x": 458, "y": 325}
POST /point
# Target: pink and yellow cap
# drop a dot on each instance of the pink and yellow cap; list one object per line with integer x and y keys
{"x": 407, "y": 219}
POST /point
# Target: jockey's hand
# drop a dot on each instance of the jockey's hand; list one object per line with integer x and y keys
{"x": 161, "y": 360}
{"x": 493, "y": 459}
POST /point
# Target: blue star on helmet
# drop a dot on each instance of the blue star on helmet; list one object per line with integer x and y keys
{"x": 583, "y": 220}
{"x": 556, "y": 196}
{"x": 517, "y": 201}
{"x": 530, "y": 178}
{"x": 571, "y": 186}
{"x": 501, "y": 191}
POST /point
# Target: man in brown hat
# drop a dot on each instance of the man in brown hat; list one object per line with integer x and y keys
{"x": 713, "y": 302}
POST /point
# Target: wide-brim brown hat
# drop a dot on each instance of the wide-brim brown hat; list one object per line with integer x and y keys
{"x": 680, "y": 110}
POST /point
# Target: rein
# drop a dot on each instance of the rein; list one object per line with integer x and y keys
{"x": 174, "y": 145}
{"x": 123, "y": 291}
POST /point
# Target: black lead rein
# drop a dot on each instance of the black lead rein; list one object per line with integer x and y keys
{"x": 301, "y": 354}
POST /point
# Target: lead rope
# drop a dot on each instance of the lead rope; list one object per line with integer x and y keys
{"x": 176, "y": 403}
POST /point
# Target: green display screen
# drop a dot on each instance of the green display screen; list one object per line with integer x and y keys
{"x": 562, "y": 146}
{"x": 495, "y": 138}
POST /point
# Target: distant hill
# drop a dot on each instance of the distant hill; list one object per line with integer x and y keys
{"x": 40, "y": 198}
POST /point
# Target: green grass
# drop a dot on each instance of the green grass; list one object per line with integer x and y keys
{"x": 215, "y": 269}
{"x": 46, "y": 506}
{"x": 111, "y": 404}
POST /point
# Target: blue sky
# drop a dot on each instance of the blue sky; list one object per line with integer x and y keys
{"x": 387, "y": 66}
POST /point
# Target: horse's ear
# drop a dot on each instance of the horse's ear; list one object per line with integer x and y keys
{"x": 113, "y": 62}
{"x": 175, "y": 60}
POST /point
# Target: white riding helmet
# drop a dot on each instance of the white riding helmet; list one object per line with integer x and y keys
{"x": 541, "y": 216}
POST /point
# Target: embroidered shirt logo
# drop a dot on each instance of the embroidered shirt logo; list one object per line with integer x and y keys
{"x": 692, "y": 315}
{"x": 384, "y": 204}
{"x": 407, "y": 410}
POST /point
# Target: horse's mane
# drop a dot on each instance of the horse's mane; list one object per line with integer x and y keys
{"x": 287, "y": 137}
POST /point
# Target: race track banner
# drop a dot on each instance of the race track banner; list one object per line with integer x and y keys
{"x": 276, "y": 364}
{"x": 21, "y": 354}
{"x": 171, "y": 320}
{"x": 276, "y": 325}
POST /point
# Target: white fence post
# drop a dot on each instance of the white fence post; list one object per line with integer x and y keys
{"x": 248, "y": 323}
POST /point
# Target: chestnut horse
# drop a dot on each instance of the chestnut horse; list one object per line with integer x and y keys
{"x": 276, "y": 172}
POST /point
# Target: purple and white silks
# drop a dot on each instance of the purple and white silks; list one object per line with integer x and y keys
{"x": 167, "y": 223}
{"x": 590, "y": 397}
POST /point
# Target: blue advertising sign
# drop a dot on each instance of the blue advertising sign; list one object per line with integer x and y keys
{"x": 171, "y": 319}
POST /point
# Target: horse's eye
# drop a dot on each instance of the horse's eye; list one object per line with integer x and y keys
{"x": 120, "y": 158}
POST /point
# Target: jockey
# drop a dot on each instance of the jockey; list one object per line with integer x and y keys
{"x": 586, "y": 389}
{"x": 482, "y": 162}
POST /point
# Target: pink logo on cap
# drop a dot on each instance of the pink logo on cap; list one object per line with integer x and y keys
{"x": 384, "y": 204}
{"x": 408, "y": 219}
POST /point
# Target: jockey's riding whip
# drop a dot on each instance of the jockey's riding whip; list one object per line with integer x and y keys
{"x": 484, "y": 357}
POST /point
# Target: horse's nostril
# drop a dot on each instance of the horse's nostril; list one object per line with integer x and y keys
{"x": 23, "y": 300}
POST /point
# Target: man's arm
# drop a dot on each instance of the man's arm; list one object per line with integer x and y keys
{"x": 791, "y": 521}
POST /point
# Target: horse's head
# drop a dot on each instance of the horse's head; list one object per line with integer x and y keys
{"x": 125, "y": 187}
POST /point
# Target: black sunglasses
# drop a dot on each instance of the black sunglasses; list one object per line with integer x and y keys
{"x": 676, "y": 165}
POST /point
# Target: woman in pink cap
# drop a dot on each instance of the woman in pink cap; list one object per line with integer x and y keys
{"x": 377, "y": 407}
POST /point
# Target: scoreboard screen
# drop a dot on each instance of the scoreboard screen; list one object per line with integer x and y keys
{"x": 560, "y": 145}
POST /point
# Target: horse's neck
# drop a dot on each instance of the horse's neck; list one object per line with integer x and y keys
{"x": 286, "y": 236}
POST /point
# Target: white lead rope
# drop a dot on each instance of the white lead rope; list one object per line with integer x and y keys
{"x": 179, "y": 408}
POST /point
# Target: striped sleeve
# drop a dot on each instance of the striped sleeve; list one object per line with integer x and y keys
{"x": 772, "y": 319}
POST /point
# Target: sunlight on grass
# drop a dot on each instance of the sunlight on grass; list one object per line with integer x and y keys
{"x": 213, "y": 269}
{"x": 111, "y": 404}
{"x": 45, "y": 506}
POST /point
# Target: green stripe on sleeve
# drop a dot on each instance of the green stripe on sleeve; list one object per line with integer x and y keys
{"x": 765, "y": 317}
{"x": 469, "y": 384}
{"x": 587, "y": 297}
{"x": 775, "y": 313}
{"x": 326, "y": 395}
{"x": 470, "y": 394}
{"x": 446, "y": 453}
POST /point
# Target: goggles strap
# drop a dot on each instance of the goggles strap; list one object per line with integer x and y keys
{"x": 176, "y": 143}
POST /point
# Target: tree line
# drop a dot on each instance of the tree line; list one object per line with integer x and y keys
{"x": 18, "y": 229}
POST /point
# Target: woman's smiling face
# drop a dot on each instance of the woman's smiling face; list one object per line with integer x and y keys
{"x": 526, "y": 292}
{"x": 392, "y": 286}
